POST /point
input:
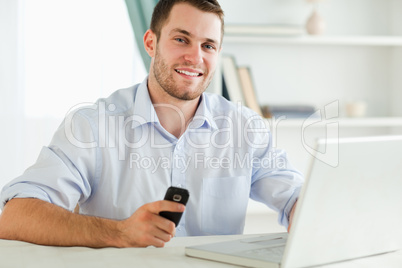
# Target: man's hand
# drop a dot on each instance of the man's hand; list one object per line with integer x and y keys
{"x": 146, "y": 228}
{"x": 291, "y": 215}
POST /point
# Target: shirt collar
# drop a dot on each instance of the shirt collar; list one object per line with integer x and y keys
{"x": 144, "y": 111}
{"x": 203, "y": 117}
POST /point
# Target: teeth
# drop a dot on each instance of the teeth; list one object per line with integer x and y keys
{"x": 187, "y": 73}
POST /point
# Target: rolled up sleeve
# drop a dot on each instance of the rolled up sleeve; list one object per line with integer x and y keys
{"x": 275, "y": 182}
{"x": 63, "y": 173}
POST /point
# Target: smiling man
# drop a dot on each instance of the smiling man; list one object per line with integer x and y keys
{"x": 184, "y": 53}
{"x": 116, "y": 159}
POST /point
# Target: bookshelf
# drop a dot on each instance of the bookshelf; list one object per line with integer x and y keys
{"x": 385, "y": 41}
{"x": 372, "y": 122}
{"x": 358, "y": 58}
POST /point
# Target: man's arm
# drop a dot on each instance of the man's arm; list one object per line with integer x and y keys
{"x": 39, "y": 222}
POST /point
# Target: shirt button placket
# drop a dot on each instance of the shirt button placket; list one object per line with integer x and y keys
{"x": 178, "y": 166}
{"x": 178, "y": 179}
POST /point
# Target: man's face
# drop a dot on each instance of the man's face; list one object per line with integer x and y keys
{"x": 187, "y": 52}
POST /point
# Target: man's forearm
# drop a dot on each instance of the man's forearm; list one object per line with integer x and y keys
{"x": 40, "y": 222}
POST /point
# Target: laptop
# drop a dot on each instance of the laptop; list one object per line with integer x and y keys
{"x": 349, "y": 211}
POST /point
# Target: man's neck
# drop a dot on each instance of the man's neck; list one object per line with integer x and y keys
{"x": 173, "y": 114}
{"x": 175, "y": 117}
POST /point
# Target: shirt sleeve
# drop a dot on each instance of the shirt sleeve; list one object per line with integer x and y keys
{"x": 275, "y": 182}
{"x": 64, "y": 171}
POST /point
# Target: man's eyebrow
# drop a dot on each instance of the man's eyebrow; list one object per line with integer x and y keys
{"x": 178, "y": 30}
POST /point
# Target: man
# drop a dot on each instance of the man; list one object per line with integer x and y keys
{"x": 117, "y": 158}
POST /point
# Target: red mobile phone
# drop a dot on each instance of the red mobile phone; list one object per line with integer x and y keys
{"x": 179, "y": 195}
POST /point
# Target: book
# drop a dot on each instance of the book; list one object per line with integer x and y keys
{"x": 248, "y": 89}
{"x": 225, "y": 93}
{"x": 232, "y": 80}
{"x": 272, "y": 29}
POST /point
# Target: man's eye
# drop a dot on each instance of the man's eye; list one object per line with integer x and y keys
{"x": 209, "y": 47}
{"x": 180, "y": 40}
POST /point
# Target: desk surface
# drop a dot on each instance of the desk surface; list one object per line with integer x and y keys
{"x": 21, "y": 254}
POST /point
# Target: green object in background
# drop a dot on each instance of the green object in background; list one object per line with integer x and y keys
{"x": 140, "y": 13}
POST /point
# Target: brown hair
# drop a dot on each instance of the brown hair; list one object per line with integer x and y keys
{"x": 163, "y": 7}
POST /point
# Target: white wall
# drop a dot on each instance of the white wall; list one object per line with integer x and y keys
{"x": 396, "y": 11}
{"x": 11, "y": 89}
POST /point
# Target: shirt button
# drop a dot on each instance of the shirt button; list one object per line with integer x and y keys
{"x": 179, "y": 147}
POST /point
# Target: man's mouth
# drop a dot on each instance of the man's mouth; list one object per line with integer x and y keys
{"x": 193, "y": 74}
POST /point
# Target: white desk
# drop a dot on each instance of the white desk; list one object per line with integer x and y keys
{"x": 20, "y": 254}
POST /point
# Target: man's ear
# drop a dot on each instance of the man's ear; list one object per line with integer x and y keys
{"x": 150, "y": 43}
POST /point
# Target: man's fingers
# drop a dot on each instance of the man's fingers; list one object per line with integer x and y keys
{"x": 158, "y": 237}
{"x": 162, "y": 224}
{"x": 153, "y": 239}
{"x": 165, "y": 205}
{"x": 146, "y": 228}
{"x": 162, "y": 236}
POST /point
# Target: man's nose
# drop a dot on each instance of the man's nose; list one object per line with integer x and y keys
{"x": 194, "y": 55}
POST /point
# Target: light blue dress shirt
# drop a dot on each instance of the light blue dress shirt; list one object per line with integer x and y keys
{"x": 115, "y": 156}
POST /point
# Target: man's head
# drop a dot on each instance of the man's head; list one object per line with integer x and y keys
{"x": 163, "y": 7}
{"x": 184, "y": 42}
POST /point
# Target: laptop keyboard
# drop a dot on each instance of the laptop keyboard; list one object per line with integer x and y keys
{"x": 268, "y": 253}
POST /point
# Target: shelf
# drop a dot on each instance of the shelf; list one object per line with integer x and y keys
{"x": 346, "y": 122}
{"x": 386, "y": 41}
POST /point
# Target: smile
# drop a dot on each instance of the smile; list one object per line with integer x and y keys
{"x": 188, "y": 73}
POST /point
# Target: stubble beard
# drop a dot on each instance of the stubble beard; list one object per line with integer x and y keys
{"x": 164, "y": 77}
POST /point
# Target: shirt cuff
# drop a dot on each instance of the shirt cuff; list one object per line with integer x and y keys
{"x": 20, "y": 191}
{"x": 284, "y": 216}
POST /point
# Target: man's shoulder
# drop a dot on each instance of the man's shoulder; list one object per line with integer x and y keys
{"x": 120, "y": 101}
{"x": 220, "y": 106}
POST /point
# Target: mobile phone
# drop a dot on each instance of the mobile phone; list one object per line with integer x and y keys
{"x": 175, "y": 194}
